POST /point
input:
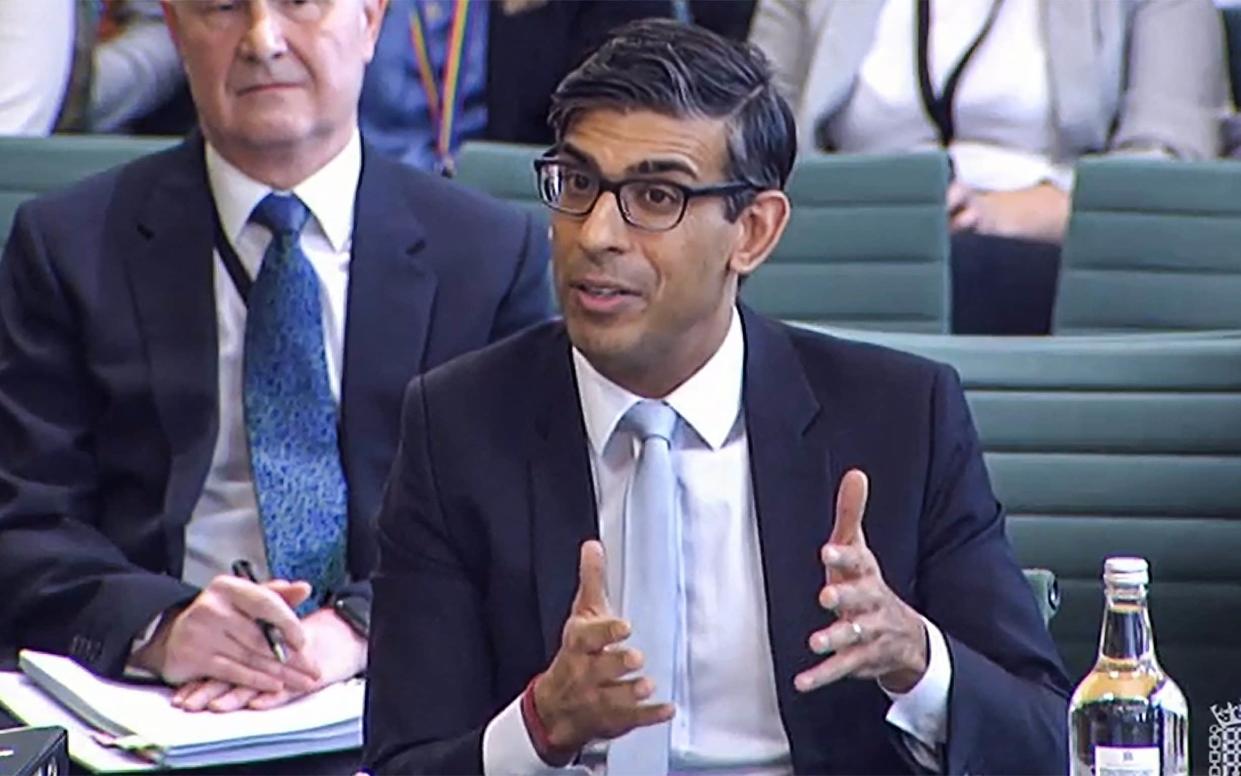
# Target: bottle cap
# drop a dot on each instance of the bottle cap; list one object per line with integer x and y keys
{"x": 1126, "y": 571}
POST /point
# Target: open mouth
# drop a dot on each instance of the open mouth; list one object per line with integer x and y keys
{"x": 602, "y": 290}
{"x": 603, "y": 298}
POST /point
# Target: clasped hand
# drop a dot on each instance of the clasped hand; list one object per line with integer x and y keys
{"x": 876, "y": 635}
{"x": 216, "y": 654}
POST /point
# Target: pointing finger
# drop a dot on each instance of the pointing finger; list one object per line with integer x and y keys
{"x": 850, "y": 507}
{"x": 592, "y": 597}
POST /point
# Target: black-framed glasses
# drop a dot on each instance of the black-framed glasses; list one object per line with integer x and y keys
{"x": 646, "y": 203}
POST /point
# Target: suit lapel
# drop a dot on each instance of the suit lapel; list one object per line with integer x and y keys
{"x": 563, "y": 499}
{"x": 390, "y": 297}
{"x": 794, "y": 500}
{"x": 172, "y": 278}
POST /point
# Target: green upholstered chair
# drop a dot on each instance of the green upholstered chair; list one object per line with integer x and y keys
{"x": 503, "y": 170}
{"x": 1121, "y": 444}
{"x": 30, "y": 166}
{"x": 1046, "y": 591}
{"x": 1152, "y": 245}
{"x": 866, "y": 246}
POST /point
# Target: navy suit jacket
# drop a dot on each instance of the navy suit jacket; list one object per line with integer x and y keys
{"x": 108, "y": 375}
{"x": 492, "y": 496}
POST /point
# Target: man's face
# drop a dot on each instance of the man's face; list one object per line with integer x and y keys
{"x": 639, "y": 302}
{"x": 275, "y": 74}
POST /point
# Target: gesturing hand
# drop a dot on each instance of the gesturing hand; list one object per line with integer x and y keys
{"x": 584, "y": 694}
{"x": 876, "y": 634}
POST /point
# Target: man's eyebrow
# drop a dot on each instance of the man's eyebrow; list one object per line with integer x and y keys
{"x": 644, "y": 167}
{"x": 577, "y": 153}
{"x": 656, "y": 166}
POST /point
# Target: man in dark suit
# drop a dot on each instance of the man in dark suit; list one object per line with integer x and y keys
{"x": 739, "y": 622}
{"x": 202, "y": 355}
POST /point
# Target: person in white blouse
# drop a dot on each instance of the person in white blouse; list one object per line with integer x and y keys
{"x": 667, "y": 534}
{"x": 1016, "y": 91}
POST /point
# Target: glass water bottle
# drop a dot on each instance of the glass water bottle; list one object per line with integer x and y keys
{"x": 1127, "y": 717}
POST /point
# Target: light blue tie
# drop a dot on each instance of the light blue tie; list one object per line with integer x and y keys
{"x": 290, "y": 411}
{"x": 649, "y": 587}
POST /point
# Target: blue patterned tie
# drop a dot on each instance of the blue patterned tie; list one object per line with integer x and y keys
{"x": 649, "y": 593}
{"x": 290, "y": 411}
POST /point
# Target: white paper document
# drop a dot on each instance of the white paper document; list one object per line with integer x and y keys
{"x": 140, "y": 720}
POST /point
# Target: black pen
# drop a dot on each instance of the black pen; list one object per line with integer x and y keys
{"x": 243, "y": 569}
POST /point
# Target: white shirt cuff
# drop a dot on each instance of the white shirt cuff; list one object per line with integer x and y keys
{"x": 148, "y": 633}
{"x": 923, "y": 711}
{"x": 507, "y": 748}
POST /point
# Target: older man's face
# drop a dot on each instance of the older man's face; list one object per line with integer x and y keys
{"x": 275, "y": 74}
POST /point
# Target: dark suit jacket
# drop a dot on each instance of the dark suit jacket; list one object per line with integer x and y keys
{"x": 491, "y": 498}
{"x": 108, "y": 375}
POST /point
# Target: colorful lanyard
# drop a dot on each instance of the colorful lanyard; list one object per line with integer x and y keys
{"x": 442, "y": 102}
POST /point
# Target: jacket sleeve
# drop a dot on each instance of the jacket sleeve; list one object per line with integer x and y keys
{"x": 1176, "y": 93}
{"x": 1006, "y": 674}
{"x": 67, "y": 588}
{"x": 781, "y": 29}
{"x": 427, "y": 606}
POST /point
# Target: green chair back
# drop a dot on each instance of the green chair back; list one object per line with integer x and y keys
{"x": 1046, "y": 591}
{"x": 866, "y": 246}
{"x": 30, "y": 166}
{"x": 503, "y": 170}
{"x": 1152, "y": 245}
{"x": 1120, "y": 445}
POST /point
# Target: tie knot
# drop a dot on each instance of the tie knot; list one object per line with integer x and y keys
{"x": 284, "y": 215}
{"x": 652, "y": 419}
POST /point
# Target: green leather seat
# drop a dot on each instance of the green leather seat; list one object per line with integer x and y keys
{"x": 1117, "y": 445}
{"x": 503, "y": 170}
{"x": 30, "y": 166}
{"x": 866, "y": 246}
{"x": 1152, "y": 245}
{"x": 1046, "y": 591}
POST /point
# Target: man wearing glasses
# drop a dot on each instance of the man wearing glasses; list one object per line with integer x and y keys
{"x": 633, "y": 540}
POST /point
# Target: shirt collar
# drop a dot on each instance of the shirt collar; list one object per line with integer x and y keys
{"x": 709, "y": 401}
{"x": 329, "y": 193}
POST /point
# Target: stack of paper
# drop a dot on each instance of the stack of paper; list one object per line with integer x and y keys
{"x": 140, "y": 720}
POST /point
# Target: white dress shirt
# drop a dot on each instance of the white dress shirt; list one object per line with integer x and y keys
{"x": 727, "y": 718}
{"x": 1004, "y": 126}
{"x": 225, "y": 524}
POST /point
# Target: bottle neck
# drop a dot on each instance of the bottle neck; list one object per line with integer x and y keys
{"x": 1127, "y": 635}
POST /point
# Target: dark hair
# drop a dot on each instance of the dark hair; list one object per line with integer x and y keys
{"x": 686, "y": 71}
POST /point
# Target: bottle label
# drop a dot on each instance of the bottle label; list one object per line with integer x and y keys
{"x": 1126, "y": 761}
